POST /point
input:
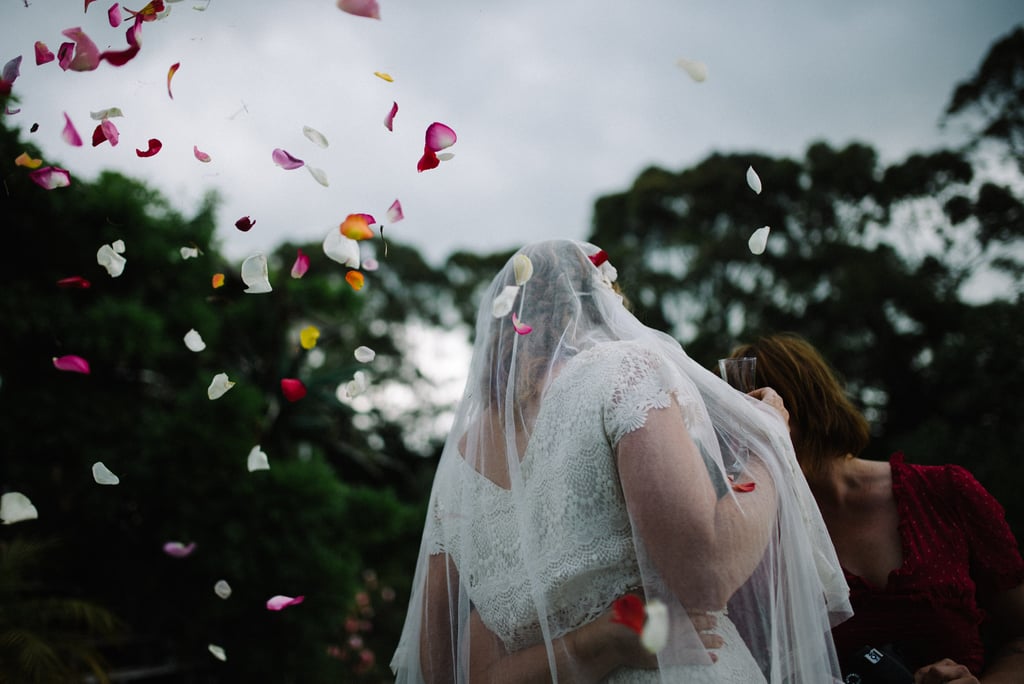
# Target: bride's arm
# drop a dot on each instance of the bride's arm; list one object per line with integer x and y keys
{"x": 704, "y": 547}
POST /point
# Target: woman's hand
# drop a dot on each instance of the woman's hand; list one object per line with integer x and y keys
{"x": 944, "y": 671}
{"x": 771, "y": 398}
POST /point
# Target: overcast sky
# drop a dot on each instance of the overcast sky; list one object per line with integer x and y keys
{"x": 554, "y": 103}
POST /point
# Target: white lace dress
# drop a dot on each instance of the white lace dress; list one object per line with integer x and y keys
{"x": 584, "y": 555}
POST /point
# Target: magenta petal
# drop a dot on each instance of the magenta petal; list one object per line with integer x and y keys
{"x": 361, "y": 8}
{"x": 64, "y": 54}
{"x": 12, "y": 70}
{"x": 285, "y": 160}
{"x": 293, "y": 389}
{"x": 71, "y": 363}
{"x": 114, "y": 15}
{"x": 69, "y": 133}
{"x": 200, "y": 155}
{"x": 179, "y": 550}
{"x": 50, "y": 177}
{"x": 109, "y": 131}
{"x": 439, "y": 137}
{"x": 43, "y": 54}
{"x": 395, "y": 212}
{"x": 300, "y": 266}
{"x": 280, "y": 602}
{"x": 87, "y": 55}
{"x": 74, "y": 282}
{"x": 428, "y": 161}
{"x": 154, "y": 147}
{"x": 389, "y": 120}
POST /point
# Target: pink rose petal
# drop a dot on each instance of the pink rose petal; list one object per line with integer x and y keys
{"x": 292, "y": 389}
{"x": 439, "y": 136}
{"x": 200, "y": 155}
{"x": 285, "y": 160}
{"x": 519, "y": 326}
{"x": 389, "y": 120}
{"x": 154, "y": 147}
{"x": 43, "y": 54}
{"x": 74, "y": 282}
{"x": 69, "y": 133}
{"x": 71, "y": 363}
{"x": 105, "y": 131}
{"x": 428, "y": 161}
{"x": 178, "y": 550}
{"x": 87, "y": 55}
{"x": 300, "y": 266}
{"x": 361, "y": 8}
{"x": 280, "y": 602}
{"x": 50, "y": 177}
{"x": 394, "y": 212}
{"x": 64, "y": 54}
{"x": 114, "y": 15}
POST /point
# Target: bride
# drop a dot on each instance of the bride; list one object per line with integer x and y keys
{"x": 591, "y": 458}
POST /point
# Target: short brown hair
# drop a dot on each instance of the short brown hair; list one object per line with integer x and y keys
{"x": 823, "y": 420}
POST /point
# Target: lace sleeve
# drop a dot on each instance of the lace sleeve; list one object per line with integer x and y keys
{"x": 636, "y": 388}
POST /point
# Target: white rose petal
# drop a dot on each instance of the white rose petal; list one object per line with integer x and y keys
{"x": 318, "y": 175}
{"x": 218, "y": 652}
{"x": 655, "y": 633}
{"x": 342, "y": 249}
{"x": 257, "y": 460}
{"x": 219, "y": 386}
{"x": 15, "y": 507}
{"x": 222, "y": 589}
{"x": 109, "y": 257}
{"x": 194, "y": 341}
{"x": 698, "y": 71}
{"x": 365, "y": 354}
{"x": 523, "y": 268}
{"x": 759, "y": 240}
{"x": 102, "y": 474}
{"x": 189, "y": 252}
{"x": 753, "y": 180}
{"x": 504, "y": 301}
{"x": 256, "y": 275}
{"x": 315, "y": 136}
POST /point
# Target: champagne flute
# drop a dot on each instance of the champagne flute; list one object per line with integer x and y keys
{"x": 740, "y": 373}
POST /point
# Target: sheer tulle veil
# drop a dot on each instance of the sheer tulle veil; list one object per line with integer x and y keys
{"x": 549, "y": 500}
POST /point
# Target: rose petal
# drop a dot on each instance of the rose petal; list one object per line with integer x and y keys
{"x": 519, "y": 326}
{"x": 504, "y": 301}
{"x": 217, "y": 280}
{"x": 255, "y": 275}
{"x": 69, "y": 133}
{"x": 308, "y": 336}
{"x": 365, "y": 354}
{"x": 280, "y": 602}
{"x": 629, "y": 610}
{"x": 194, "y": 341}
{"x": 154, "y": 147}
{"x": 64, "y": 54}
{"x": 394, "y": 212}
{"x": 43, "y": 54}
{"x": 655, "y": 633}
{"x": 87, "y": 55}
{"x": 222, "y": 589}
{"x": 319, "y": 175}
{"x": 361, "y": 8}
{"x": 200, "y": 155}
{"x": 244, "y": 224}
{"x": 102, "y": 474}
{"x": 218, "y": 652}
{"x": 315, "y": 136}
{"x": 27, "y": 161}
{"x": 293, "y": 389}
{"x": 109, "y": 258}
{"x": 219, "y": 386}
{"x": 176, "y": 549}
{"x": 439, "y": 136}
{"x": 301, "y": 265}
{"x": 753, "y": 180}
{"x": 355, "y": 280}
{"x": 384, "y": 76}
{"x": 370, "y": 264}
{"x": 108, "y": 113}
{"x": 114, "y": 15}
{"x": 16, "y": 507}
{"x": 698, "y": 71}
{"x": 285, "y": 160}
{"x": 256, "y": 460}
{"x": 354, "y": 387}
{"x": 50, "y": 177}
{"x": 428, "y": 161}
{"x": 74, "y": 282}
{"x": 355, "y": 226}
{"x": 743, "y": 487}
{"x": 170, "y": 74}
{"x": 339, "y": 248}
{"x": 72, "y": 364}
{"x": 189, "y": 252}
{"x": 389, "y": 120}
{"x": 759, "y": 240}
{"x": 523, "y": 268}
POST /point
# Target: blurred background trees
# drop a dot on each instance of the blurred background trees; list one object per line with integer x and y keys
{"x": 907, "y": 274}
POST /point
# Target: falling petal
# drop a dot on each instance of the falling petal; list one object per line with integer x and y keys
{"x": 357, "y": 385}
{"x": 43, "y": 54}
{"x": 11, "y": 71}
{"x": 114, "y": 15}
{"x": 339, "y": 248}
{"x": 244, "y": 224}
{"x": 200, "y": 155}
{"x": 370, "y": 264}
{"x": 655, "y": 632}
{"x": 319, "y": 175}
{"x": 64, "y": 54}
{"x": 87, "y": 55}
{"x": 219, "y": 386}
{"x": 170, "y": 74}
{"x": 301, "y": 265}
{"x": 16, "y": 507}
{"x": 384, "y": 76}
{"x": 355, "y": 280}
{"x": 285, "y": 160}
{"x": 102, "y": 474}
{"x": 108, "y": 257}
{"x": 394, "y": 212}
{"x": 365, "y": 354}
{"x": 759, "y": 240}
{"x": 97, "y": 136}
{"x": 194, "y": 341}
{"x": 50, "y": 177}
{"x": 743, "y": 487}
{"x": 256, "y": 460}
{"x": 428, "y": 161}
{"x": 355, "y": 226}
{"x": 445, "y": 156}
{"x": 87, "y": 3}
{"x": 189, "y": 252}
{"x": 308, "y": 336}
{"x": 218, "y": 652}
{"x": 629, "y": 610}
{"x": 504, "y": 301}
{"x": 109, "y": 113}
{"x": 292, "y": 389}
{"x": 360, "y": 8}
{"x": 519, "y": 326}
{"x": 523, "y": 268}
{"x": 74, "y": 282}
{"x": 28, "y": 162}
{"x": 753, "y": 180}
{"x": 255, "y": 275}
{"x": 117, "y": 246}
{"x": 439, "y": 137}
{"x": 178, "y": 550}
{"x": 69, "y": 133}
{"x": 315, "y": 136}
{"x": 389, "y": 120}
{"x": 72, "y": 364}
{"x": 698, "y": 71}
{"x": 281, "y": 602}
{"x": 106, "y": 131}
{"x": 222, "y": 589}
{"x": 154, "y": 147}
{"x": 599, "y": 258}
{"x": 217, "y": 280}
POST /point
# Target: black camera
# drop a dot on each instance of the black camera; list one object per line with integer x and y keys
{"x": 879, "y": 665}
